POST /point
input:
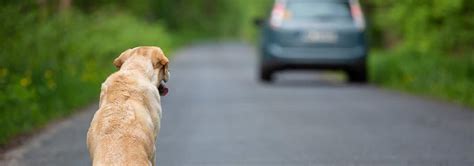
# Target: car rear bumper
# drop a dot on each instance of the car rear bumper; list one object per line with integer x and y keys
{"x": 313, "y": 58}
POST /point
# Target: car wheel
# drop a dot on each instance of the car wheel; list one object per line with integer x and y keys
{"x": 358, "y": 74}
{"x": 266, "y": 74}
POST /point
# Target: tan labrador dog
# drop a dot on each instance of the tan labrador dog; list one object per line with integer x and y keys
{"x": 124, "y": 129}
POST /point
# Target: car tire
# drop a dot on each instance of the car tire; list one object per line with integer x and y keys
{"x": 266, "y": 74}
{"x": 358, "y": 74}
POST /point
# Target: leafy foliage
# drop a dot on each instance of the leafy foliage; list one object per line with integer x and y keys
{"x": 424, "y": 26}
{"x": 50, "y": 66}
{"x": 217, "y": 18}
{"x": 425, "y": 47}
{"x": 440, "y": 76}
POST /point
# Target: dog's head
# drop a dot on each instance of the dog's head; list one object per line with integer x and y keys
{"x": 157, "y": 59}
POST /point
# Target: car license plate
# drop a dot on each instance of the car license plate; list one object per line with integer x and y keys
{"x": 320, "y": 37}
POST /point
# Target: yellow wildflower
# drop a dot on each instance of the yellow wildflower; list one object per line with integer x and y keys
{"x": 25, "y": 81}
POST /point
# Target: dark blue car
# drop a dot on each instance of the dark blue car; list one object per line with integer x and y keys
{"x": 314, "y": 34}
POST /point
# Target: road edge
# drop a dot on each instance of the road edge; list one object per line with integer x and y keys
{"x": 12, "y": 156}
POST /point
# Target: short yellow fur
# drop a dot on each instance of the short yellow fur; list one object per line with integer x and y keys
{"x": 124, "y": 129}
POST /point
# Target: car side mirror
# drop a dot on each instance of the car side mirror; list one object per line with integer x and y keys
{"x": 258, "y": 22}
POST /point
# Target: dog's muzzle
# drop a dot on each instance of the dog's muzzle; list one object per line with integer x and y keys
{"x": 162, "y": 88}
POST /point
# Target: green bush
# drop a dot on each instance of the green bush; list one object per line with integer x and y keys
{"x": 50, "y": 66}
{"x": 427, "y": 47}
{"x": 445, "y": 77}
{"x": 424, "y": 26}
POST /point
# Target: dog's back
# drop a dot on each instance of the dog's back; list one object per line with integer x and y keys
{"x": 124, "y": 129}
{"x": 122, "y": 132}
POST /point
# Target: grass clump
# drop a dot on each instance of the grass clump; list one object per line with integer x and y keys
{"x": 446, "y": 77}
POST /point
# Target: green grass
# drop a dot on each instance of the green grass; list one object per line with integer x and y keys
{"x": 446, "y": 77}
{"x": 49, "y": 67}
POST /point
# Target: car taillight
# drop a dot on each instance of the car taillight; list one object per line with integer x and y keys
{"x": 357, "y": 15}
{"x": 278, "y": 14}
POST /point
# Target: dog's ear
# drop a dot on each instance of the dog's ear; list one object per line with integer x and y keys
{"x": 158, "y": 58}
{"x": 118, "y": 62}
{"x": 166, "y": 73}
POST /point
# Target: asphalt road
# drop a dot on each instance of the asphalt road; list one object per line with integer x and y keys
{"x": 217, "y": 113}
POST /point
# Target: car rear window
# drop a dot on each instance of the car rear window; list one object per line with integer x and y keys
{"x": 318, "y": 10}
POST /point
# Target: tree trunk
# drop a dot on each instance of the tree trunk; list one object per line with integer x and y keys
{"x": 64, "y": 5}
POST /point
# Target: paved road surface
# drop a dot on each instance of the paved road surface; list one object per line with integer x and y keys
{"x": 218, "y": 114}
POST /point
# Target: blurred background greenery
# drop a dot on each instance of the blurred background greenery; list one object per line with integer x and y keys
{"x": 55, "y": 53}
{"x": 423, "y": 46}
